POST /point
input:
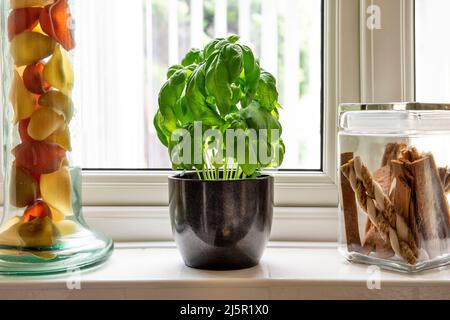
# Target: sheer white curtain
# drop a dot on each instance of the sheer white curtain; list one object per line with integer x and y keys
{"x": 110, "y": 70}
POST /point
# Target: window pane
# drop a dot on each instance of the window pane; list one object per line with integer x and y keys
{"x": 123, "y": 54}
{"x": 432, "y": 58}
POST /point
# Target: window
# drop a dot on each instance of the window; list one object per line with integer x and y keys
{"x": 432, "y": 59}
{"x": 123, "y": 54}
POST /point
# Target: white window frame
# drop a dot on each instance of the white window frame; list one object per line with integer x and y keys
{"x": 132, "y": 205}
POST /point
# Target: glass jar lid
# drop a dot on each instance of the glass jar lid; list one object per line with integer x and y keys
{"x": 406, "y": 118}
{"x": 393, "y": 106}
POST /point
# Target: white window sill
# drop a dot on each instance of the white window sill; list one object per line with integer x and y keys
{"x": 145, "y": 224}
{"x": 287, "y": 271}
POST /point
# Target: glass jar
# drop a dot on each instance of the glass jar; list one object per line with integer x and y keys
{"x": 42, "y": 229}
{"x": 394, "y": 183}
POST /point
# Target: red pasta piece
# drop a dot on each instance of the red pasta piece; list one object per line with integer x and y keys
{"x": 21, "y": 20}
{"x": 38, "y": 157}
{"x": 32, "y": 78}
{"x": 55, "y": 20}
{"x": 38, "y": 210}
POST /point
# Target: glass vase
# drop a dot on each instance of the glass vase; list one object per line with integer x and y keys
{"x": 42, "y": 229}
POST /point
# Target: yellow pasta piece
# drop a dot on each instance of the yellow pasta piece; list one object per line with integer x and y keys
{"x": 59, "y": 102}
{"x": 23, "y": 189}
{"x": 56, "y": 190}
{"x": 61, "y": 138}
{"x": 8, "y": 234}
{"x": 38, "y": 233}
{"x": 31, "y": 47}
{"x": 44, "y": 122}
{"x": 58, "y": 72}
{"x": 57, "y": 216}
{"x": 24, "y": 102}
{"x": 66, "y": 227}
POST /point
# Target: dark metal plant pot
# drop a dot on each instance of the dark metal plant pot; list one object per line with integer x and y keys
{"x": 221, "y": 225}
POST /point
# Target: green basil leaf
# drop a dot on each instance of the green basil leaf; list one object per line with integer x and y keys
{"x": 259, "y": 118}
{"x": 157, "y": 122}
{"x": 173, "y": 69}
{"x": 267, "y": 93}
{"x": 233, "y": 38}
{"x": 222, "y": 70}
{"x": 196, "y": 99}
{"x": 168, "y": 98}
{"x": 194, "y": 56}
{"x": 252, "y": 73}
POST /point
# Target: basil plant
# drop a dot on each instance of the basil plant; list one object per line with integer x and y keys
{"x": 218, "y": 113}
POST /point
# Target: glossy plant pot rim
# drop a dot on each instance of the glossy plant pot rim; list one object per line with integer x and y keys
{"x": 191, "y": 176}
